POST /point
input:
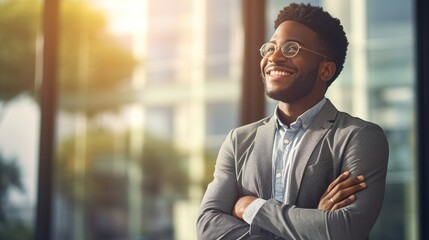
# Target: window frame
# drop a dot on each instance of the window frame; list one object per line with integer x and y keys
{"x": 422, "y": 89}
{"x": 47, "y": 93}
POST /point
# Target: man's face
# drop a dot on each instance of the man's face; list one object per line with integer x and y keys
{"x": 293, "y": 79}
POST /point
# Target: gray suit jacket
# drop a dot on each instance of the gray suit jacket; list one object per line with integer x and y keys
{"x": 335, "y": 142}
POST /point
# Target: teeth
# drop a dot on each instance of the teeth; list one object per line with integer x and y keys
{"x": 279, "y": 73}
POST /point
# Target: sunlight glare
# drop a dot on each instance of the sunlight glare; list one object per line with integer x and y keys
{"x": 126, "y": 17}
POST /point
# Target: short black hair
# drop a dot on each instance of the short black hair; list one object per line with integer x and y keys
{"x": 329, "y": 30}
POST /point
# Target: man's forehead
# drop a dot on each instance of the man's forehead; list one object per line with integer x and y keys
{"x": 293, "y": 30}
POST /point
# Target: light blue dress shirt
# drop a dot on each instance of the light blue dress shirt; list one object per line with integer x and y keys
{"x": 286, "y": 142}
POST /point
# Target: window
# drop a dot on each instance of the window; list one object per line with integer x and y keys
{"x": 19, "y": 117}
{"x": 130, "y": 145}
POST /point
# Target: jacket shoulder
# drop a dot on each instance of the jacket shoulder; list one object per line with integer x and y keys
{"x": 347, "y": 120}
{"x": 251, "y": 128}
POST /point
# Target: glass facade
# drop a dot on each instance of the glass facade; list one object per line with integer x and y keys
{"x": 19, "y": 117}
{"x": 131, "y": 155}
{"x": 148, "y": 90}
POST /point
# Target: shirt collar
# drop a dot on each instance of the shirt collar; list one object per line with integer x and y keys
{"x": 305, "y": 119}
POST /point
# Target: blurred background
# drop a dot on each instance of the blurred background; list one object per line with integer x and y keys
{"x": 147, "y": 91}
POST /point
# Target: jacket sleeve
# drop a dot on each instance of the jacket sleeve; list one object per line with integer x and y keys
{"x": 215, "y": 220}
{"x": 365, "y": 153}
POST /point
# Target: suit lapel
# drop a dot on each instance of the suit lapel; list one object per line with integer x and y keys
{"x": 323, "y": 121}
{"x": 263, "y": 149}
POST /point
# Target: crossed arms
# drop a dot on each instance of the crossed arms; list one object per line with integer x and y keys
{"x": 340, "y": 193}
{"x": 351, "y": 217}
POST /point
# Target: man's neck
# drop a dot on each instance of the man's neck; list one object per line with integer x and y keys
{"x": 289, "y": 112}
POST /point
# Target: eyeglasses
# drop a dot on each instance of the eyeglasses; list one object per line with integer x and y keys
{"x": 289, "y": 49}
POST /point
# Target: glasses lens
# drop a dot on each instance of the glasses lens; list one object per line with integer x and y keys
{"x": 290, "y": 49}
{"x": 267, "y": 49}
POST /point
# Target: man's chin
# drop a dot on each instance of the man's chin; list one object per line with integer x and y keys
{"x": 274, "y": 95}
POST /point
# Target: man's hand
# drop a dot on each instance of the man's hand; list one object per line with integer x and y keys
{"x": 241, "y": 205}
{"x": 340, "y": 192}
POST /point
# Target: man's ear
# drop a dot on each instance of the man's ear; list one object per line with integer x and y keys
{"x": 327, "y": 70}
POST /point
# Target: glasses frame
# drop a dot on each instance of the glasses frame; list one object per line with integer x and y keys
{"x": 289, "y": 42}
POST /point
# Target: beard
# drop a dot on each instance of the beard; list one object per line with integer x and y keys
{"x": 299, "y": 87}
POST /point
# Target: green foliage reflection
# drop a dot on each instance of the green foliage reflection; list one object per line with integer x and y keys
{"x": 19, "y": 23}
{"x": 90, "y": 58}
{"x": 98, "y": 179}
{"x": 10, "y": 177}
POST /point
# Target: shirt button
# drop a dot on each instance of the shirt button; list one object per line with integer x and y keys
{"x": 286, "y": 141}
{"x": 278, "y": 175}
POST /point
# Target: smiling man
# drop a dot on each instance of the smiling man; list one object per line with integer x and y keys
{"x": 309, "y": 171}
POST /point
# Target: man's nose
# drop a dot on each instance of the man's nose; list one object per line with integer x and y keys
{"x": 277, "y": 56}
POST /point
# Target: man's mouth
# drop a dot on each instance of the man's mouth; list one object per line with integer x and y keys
{"x": 278, "y": 73}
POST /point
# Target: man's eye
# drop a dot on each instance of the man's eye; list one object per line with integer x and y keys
{"x": 292, "y": 49}
{"x": 271, "y": 49}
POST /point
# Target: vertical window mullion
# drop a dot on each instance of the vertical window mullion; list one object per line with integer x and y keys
{"x": 252, "y": 95}
{"x": 47, "y": 97}
{"x": 422, "y": 53}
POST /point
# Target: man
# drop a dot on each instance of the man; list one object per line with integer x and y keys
{"x": 298, "y": 174}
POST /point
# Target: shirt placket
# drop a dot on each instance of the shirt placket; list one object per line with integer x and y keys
{"x": 278, "y": 183}
{"x": 281, "y": 170}
{"x": 281, "y": 163}
{"x": 288, "y": 142}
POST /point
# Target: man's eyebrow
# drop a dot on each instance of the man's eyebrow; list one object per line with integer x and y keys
{"x": 288, "y": 40}
{"x": 294, "y": 40}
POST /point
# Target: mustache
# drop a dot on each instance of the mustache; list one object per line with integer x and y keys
{"x": 276, "y": 65}
{"x": 271, "y": 65}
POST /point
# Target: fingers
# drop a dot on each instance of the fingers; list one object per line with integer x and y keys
{"x": 344, "y": 202}
{"x": 349, "y": 182}
{"x": 345, "y": 193}
{"x": 340, "y": 192}
{"x": 339, "y": 179}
